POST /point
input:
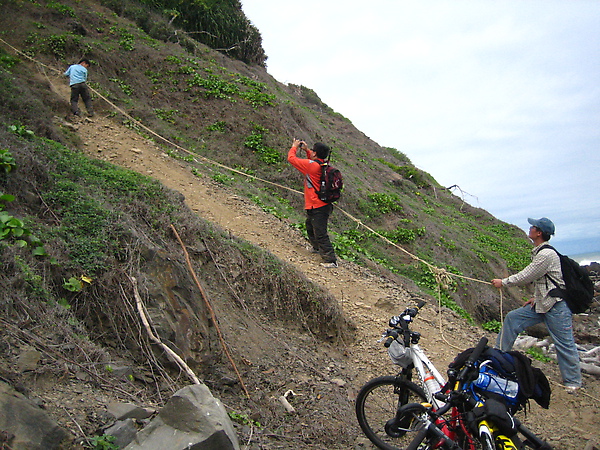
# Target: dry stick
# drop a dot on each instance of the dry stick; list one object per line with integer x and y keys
{"x": 154, "y": 363}
{"x": 211, "y": 310}
{"x": 85, "y": 438}
{"x": 234, "y": 292}
{"x": 140, "y": 307}
{"x": 42, "y": 346}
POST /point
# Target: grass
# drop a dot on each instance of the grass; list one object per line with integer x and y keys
{"x": 232, "y": 118}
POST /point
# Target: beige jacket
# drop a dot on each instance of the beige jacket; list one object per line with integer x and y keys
{"x": 543, "y": 262}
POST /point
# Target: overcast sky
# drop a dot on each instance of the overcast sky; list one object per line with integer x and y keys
{"x": 500, "y": 98}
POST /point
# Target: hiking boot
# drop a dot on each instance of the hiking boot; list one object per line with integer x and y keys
{"x": 330, "y": 265}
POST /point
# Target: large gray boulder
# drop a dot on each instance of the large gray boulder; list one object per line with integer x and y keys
{"x": 192, "y": 419}
{"x": 25, "y": 425}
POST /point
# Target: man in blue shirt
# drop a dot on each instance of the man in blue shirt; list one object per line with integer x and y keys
{"x": 77, "y": 74}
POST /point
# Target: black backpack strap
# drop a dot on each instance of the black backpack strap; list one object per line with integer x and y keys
{"x": 323, "y": 164}
{"x": 555, "y": 283}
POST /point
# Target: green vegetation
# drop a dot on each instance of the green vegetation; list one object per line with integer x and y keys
{"x": 493, "y": 325}
{"x": 403, "y": 235}
{"x": 126, "y": 38}
{"x": 73, "y": 284}
{"x": 273, "y": 204}
{"x": 7, "y": 61}
{"x": 499, "y": 238}
{"x": 55, "y": 44}
{"x": 537, "y": 354}
{"x": 168, "y": 115}
{"x": 221, "y": 178}
{"x": 215, "y": 86}
{"x": 21, "y": 130}
{"x": 65, "y": 10}
{"x": 243, "y": 419}
{"x": 127, "y": 89}
{"x": 382, "y": 203}
{"x": 7, "y": 163}
{"x": 408, "y": 171}
{"x": 219, "y": 126}
{"x": 223, "y": 24}
{"x": 13, "y": 230}
{"x": 255, "y": 142}
{"x": 104, "y": 442}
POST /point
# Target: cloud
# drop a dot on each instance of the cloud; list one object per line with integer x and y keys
{"x": 501, "y": 98}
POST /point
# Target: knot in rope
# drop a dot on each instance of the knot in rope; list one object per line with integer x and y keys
{"x": 442, "y": 276}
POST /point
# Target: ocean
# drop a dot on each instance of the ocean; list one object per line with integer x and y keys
{"x": 586, "y": 258}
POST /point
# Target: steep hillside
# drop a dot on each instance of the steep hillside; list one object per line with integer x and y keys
{"x": 225, "y": 111}
{"x": 288, "y": 325}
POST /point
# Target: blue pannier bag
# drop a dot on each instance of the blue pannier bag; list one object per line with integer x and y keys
{"x": 508, "y": 377}
{"x": 489, "y": 381}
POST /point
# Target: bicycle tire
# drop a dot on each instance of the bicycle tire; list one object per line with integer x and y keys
{"x": 376, "y": 406}
{"x": 486, "y": 439}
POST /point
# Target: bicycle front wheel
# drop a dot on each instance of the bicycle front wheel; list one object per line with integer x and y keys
{"x": 376, "y": 405}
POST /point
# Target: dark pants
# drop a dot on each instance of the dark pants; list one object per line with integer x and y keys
{"x": 80, "y": 90}
{"x": 316, "y": 227}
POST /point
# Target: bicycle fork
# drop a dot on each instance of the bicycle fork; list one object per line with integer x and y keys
{"x": 431, "y": 431}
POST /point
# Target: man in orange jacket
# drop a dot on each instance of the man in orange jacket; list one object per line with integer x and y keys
{"x": 317, "y": 211}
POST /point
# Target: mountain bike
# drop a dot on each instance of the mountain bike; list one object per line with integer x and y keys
{"x": 396, "y": 413}
{"x": 477, "y": 421}
{"x": 380, "y": 398}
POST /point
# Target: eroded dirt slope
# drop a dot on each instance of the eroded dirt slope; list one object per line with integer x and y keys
{"x": 368, "y": 299}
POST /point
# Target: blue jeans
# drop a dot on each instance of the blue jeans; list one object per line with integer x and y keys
{"x": 559, "y": 322}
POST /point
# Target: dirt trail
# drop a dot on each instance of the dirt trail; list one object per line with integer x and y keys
{"x": 368, "y": 299}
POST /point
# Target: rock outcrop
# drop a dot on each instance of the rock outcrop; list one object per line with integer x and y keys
{"x": 191, "y": 419}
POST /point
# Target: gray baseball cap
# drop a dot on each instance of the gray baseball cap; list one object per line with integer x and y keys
{"x": 543, "y": 224}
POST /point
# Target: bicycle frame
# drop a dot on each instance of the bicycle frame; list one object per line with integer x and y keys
{"x": 443, "y": 413}
{"x": 432, "y": 379}
{"x": 448, "y": 430}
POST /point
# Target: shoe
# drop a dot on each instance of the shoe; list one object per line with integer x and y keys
{"x": 330, "y": 265}
{"x": 572, "y": 389}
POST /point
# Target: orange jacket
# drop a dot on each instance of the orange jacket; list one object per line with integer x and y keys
{"x": 312, "y": 171}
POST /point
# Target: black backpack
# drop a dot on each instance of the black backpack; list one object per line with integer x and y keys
{"x": 331, "y": 183}
{"x": 512, "y": 365}
{"x": 579, "y": 291}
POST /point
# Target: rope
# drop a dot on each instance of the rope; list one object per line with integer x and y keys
{"x": 442, "y": 276}
{"x": 579, "y": 391}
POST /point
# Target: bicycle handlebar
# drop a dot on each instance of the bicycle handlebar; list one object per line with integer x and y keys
{"x": 401, "y": 320}
{"x": 475, "y": 354}
{"x": 391, "y": 335}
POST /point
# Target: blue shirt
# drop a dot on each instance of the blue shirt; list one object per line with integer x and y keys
{"x": 77, "y": 74}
